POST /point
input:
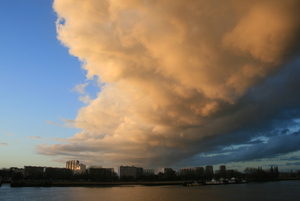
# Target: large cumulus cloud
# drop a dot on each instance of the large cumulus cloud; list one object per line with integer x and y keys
{"x": 179, "y": 78}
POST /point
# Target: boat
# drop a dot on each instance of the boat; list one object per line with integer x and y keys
{"x": 192, "y": 183}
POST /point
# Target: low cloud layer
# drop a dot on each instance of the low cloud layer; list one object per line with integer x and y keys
{"x": 182, "y": 78}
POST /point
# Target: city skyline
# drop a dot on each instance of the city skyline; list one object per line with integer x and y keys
{"x": 150, "y": 84}
{"x": 79, "y": 168}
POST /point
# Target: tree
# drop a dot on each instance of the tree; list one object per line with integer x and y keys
{"x": 17, "y": 176}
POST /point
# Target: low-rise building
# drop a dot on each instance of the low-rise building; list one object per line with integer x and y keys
{"x": 130, "y": 172}
{"x": 52, "y": 173}
{"x": 148, "y": 172}
{"x": 188, "y": 173}
{"x": 34, "y": 172}
{"x": 98, "y": 173}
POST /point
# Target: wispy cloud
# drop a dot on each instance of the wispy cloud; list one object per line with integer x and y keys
{"x": 294, "y": 164}
{"x": 68, "y": 120}
{"x": 85, "y": 99}
{"x": 59, "y": 139}
{"x": 3, "y": 144}
{"x": 183, "y": 79}
{"x": 66, "y": 123}
{"x": 33, "y": 137}
{"x": 80, "y": 88}
{"x": 53, "y": 123}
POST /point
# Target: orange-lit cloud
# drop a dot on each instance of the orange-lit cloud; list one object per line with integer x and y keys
{"x": 175, "y": 72}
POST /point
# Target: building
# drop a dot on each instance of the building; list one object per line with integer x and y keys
{"x": 222, "y": 170}
{"x": 72, "y": 165}
{"x": 98, "y": 173}
{"x": 209, "y": 171}
{"x": 200, "y": 171}
{"x": 17, "y": 173}
{"x": 168, "y": 170}
{"x": 53, "y": 173}
{"x": 130, "y": 172}
{"x": 191, "y": 173}
{"x": 168, "y": 174}
{"x": 139, "y": 172}
{"x": 16, "y": 170}
{"x": 34, "y": 172}
{"x": 148, "y": 172}
{"x": 76, "y": 167}
{"x": 81, "y": 169}
{"x": 186, "y": 171}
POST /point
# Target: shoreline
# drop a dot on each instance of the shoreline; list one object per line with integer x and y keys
{"x": 90, "y": 184}
{"x": 86, "y": 184}
{"x": 112, "y": 184}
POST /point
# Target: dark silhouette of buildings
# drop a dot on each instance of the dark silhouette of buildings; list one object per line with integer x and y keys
{"x": 130, "y": 173}
{"x": 97, "y": 173}
{"x": 49, "y": 173}
{"x": 189, "y": 173}
{"x": 75, "y": 171}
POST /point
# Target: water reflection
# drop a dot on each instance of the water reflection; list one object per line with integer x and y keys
{"x": 281, "y": 190}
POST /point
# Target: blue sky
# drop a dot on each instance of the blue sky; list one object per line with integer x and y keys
{"x": 37, "y": 81}
{"x": 152, "y": 85}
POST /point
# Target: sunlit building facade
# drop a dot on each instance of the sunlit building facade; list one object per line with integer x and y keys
{"x": 76, "y": 167}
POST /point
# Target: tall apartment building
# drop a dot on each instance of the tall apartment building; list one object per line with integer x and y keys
{"x": 209, "y": 170}
{"x": 222, "y": 169}
{"x": 76, "y": 167}
{"x": 72, "y": 164}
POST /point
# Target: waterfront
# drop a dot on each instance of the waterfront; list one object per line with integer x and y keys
{"x": 279, "y": 190}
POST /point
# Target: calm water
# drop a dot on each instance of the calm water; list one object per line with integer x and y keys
{"x": 281, "y": 190}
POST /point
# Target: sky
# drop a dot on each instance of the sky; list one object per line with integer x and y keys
{"x": 150, "y": 83}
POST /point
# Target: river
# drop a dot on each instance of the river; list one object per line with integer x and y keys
{"x": 267, "y": 191}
